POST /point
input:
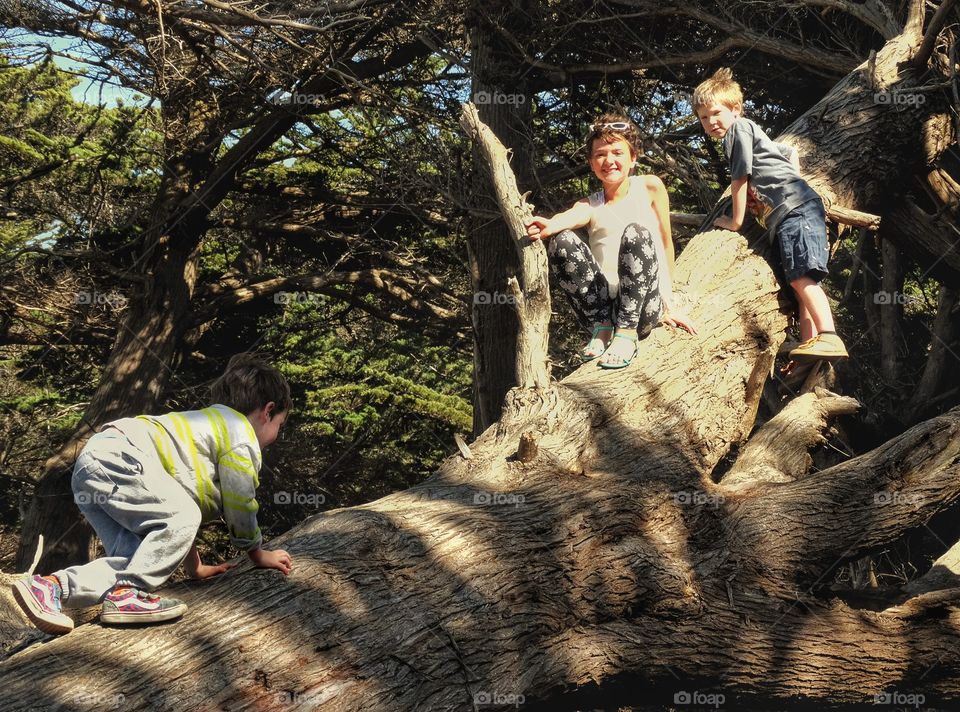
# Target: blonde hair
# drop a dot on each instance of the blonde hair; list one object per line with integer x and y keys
{"x": 720, "y": 88}
{"x": 631, "y": 134}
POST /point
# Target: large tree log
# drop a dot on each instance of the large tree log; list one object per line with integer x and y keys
{"x": 599, "y": 557}
{"x": 884, "y": 123}
{"x": 611, "y": 552}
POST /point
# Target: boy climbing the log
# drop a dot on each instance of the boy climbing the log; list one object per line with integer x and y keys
{"x": 785, "y": 205}
{"x": 146, "y": 484}
{"x": 617, "y": 279}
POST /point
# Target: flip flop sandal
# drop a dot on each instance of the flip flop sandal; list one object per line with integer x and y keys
{"x": 627, "y": 360}
{"x": 588, "y": 355}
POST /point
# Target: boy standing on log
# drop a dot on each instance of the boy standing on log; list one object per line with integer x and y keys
{"x": 787, "y": 207}
{"x": 146, "y": 484}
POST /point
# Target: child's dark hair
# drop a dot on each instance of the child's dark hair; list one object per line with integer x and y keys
{"x": 249, "y": 383}
{"x": 602, "y": 128}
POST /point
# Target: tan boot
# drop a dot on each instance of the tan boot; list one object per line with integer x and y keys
{"x": 827, "y": 347}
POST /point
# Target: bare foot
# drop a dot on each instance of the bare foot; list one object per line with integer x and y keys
{"x": 602, "y": 333}
{"x": 621, "y": 352}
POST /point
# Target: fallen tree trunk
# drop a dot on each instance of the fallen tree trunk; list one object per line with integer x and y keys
{"x": 608, "y": 549}
{"x": 609, "y": 552}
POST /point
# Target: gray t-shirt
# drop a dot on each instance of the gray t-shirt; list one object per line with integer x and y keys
{"x": 773, "y": 181}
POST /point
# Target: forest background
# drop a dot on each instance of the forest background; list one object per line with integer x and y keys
{"x": 181, "y": 181}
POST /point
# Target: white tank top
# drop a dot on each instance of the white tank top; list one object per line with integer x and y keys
{"x": 606, "y": 228}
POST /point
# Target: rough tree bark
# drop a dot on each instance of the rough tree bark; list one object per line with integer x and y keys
{"x": 890, "y": 301}
{"x": 892, "y": 112}
{"x": 942, "y": 342}
{"x": 495, "y": 71}
{"x": 530, "y": 289}
{"x": 610, "y": 553}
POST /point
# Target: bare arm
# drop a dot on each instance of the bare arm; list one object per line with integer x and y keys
{"x": 660, "y": 200}
{"x": 738, "y": 190}
{"x": 539, "y": 228}
{"x": 271, "y": 559}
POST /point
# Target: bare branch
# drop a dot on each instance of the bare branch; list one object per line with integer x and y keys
{"x": 778, "y": 452}
{"x": 380, "y": 280}
{"x": 933, "y": 30}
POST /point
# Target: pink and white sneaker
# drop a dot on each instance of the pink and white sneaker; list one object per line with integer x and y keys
{"x": 39, "y": 597}
{"x": 125, "y": 605}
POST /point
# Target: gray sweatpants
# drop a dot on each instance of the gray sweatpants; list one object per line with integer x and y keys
{"x": 146, "y": 520}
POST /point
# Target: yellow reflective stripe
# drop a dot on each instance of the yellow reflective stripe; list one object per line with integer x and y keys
{"x": 240, "y": 504}
{"x": 204, "y": 495}
{"x": 219, "y": 429}
{"x": 254, "y": 535}
{"x": 239, "y": 462}
{"x": 221, "y": 421}
{"x": 159, "y": 440}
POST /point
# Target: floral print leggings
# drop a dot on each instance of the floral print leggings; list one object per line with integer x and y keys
{"x": 637, "y": 305}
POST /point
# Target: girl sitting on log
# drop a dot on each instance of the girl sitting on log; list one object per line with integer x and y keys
{"x": 618, "y": 280}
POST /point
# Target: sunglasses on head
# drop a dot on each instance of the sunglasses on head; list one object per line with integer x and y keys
{"x": 616, "y": 126}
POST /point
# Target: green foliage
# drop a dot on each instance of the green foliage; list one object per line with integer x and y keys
{"x": 375, "y": 407}
{"x": 34, "y": 417}
{"x": 70, "y": 167}
{"x": 27, "y": 404}
{"x": 379, "y": 176}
